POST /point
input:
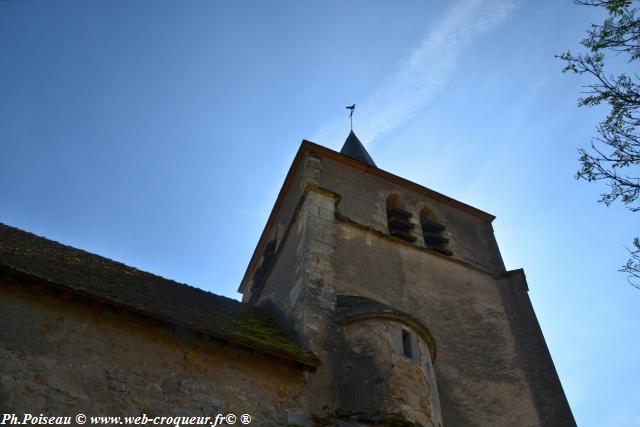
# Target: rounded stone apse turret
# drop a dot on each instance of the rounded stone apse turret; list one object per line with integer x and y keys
{"x": 384, "y": 371}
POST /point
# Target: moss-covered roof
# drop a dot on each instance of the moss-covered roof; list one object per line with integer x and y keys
{"x": 183, "y": 305}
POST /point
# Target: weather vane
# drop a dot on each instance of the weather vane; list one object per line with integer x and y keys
{"x": 352, "y": 108}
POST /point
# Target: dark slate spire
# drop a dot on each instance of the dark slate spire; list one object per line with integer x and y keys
{"x": 353, "y": 148}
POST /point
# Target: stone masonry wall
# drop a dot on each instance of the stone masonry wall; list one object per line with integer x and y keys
{"x": 480, "y": 375}
{"x": 374, "y": 375}
{"x": 315, "y": 283}
{"x": 302, "y": 265}
{"x": 63, "y": 357}
{"x": 551, "y": 402}
{"x": 363, "y": 200}
{"x": 337, "y": 243}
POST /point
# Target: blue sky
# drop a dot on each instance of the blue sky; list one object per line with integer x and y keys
{"x": 158, "y": 134}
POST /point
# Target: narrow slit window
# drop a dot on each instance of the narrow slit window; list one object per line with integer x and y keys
{"x": 407, "y": 345}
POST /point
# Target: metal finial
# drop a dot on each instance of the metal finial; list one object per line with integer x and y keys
{"x": 352, "y": 108}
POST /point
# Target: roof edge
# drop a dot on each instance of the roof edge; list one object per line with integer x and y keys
{"x": 312, "y": 361}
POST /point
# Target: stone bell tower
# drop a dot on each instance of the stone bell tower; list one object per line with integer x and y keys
{"x": 402, "y": 293}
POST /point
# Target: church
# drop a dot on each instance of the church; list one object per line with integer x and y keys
{"x": 370, "y": 300}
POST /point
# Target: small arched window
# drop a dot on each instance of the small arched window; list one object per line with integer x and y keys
{"x": 398, "y": 219}
{"x": 433, "y": 233}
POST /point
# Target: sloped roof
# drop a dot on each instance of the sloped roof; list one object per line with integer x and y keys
{"x": 98, "y": 277}
{"x": 353, "y": 148}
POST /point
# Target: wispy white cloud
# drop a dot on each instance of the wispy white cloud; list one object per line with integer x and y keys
{"x": 424, "y": 73}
